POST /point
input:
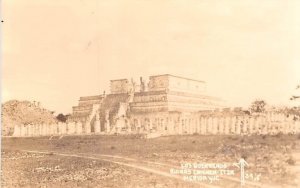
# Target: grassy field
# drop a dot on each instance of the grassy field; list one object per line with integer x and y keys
{"x": 272, "y": 156}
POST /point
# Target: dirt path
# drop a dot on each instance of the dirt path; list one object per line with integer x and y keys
{"x": 160, "y": 169}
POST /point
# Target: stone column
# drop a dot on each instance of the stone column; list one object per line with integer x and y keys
{"x": 205, "y": 125}
{"x": 17, "y": 131}
{"x": 68, "y": 128}
{"x": 245, "y": 124}
{"x": 238, "y": 126}
{"x": 52, "y": 129}
{"x": 33, "y": 129}
{"x": 201, "y": 125}
{"x": 256, "y": 125}
{"x": 227, "y": 126}
{"x": 78, "y": 127}
{"x": 26, "y": 130}
{"x": 251, "y": 125}
{"x": 22, "y": 130}
{"x": 163, "y": 122}
{"x": 233, "y": 125}
{"x": 221, "y": 125}
{"x": 64, "y": 128}
{"x": 60, "y": 127}
{"x": 174, "y": 125}
{"x": 71, "y": 128}
{"x": 197, "y": 124}
{"x": 264, "y": 124}
{"x": 215, "y": 125}
{"x": 189, "y": 126}
{"x": 210, "y": 125}
{"x": 150, "y": 124}
{"x": 29, "y": 130}
{"x": 46, "y": 131}
{"x": 170, "y": 126}
{"x": 145, "y": 127}
{"x": 74, "y": 128}
{"x": 97, "y": 126}
{"x": 107, "y": 127}
{"x": 49, "y": 129}
{"x": 34, "y": 132}
{"x": 185, "y": 127}
{"x": 56, "y": 129}
{"x": 180, "y": 125}
{"x": 87, "y": 128}
{"x": 194, "y": 124}
{"x": 43, "y": 129}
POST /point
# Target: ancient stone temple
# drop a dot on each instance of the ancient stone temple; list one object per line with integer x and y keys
{"x": 143, "y": 107}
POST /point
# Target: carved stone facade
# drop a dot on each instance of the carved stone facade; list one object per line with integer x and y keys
{"x": 120, "y": 86}
{"x": 163, "y": 93}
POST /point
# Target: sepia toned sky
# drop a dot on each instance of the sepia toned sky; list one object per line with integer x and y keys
{"x": 56, "y": 51}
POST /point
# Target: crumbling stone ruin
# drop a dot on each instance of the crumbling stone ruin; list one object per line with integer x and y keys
{"x": 16, "y": 112}
{"x": 166, "y": 105}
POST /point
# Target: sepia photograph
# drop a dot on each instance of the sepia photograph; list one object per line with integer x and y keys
{"x": 150, "y": 93}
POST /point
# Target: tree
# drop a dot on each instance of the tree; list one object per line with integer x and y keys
{"x": 258, "y": 106}
{"x": 61, "y": 117}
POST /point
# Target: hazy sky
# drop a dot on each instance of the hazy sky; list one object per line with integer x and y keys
{"x": 57, "y": 51}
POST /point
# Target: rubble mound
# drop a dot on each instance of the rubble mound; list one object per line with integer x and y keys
{"x": 16, "y": 112}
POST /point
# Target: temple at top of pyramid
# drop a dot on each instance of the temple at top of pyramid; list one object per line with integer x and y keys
{"x": 160, "y": 95}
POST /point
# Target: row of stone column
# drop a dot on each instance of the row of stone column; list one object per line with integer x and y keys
{"x": 267, "y": 124}
{"x": 71, "y": 128}
{"x": 277, "y": 117}
{"x": 175, "y": 125}
{"x": 235, "y": 125}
